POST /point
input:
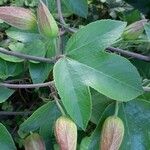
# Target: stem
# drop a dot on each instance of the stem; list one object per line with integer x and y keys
{"x": 61, "y": 18}
{"x": 59, "y": 106}
{"x": 60, "y": 44}
{"x": 60, "y": 12}
{"x": 116, "y": 108}
{"x": 26, "y": 86}
{"x": 128, "y": 53}
{"x": 52, "y": 61}
{"x": 27, "y": 57}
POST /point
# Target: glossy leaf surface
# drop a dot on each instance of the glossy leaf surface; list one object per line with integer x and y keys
{"x": 86, "y": 66}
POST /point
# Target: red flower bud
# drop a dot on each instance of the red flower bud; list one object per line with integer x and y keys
{"x": 46, "y": 23}
{"x": 112, "y": 134}
{"x": 18, "y": 17}
{"x": 34, "y": 142}
{"x": 66, "y": 133}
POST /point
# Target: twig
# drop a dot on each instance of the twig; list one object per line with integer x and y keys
{"x": 38, "y": 85}
{"x": 26, "y": 86}
{"x": 62, "y": 21}
{"x": 27, "y": 57}
{"x": 60, "y": 12}
{"x": 128, "y": 53}
{"x": 7, "y": 113}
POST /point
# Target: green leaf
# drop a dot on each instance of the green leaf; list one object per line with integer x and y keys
{"x": 135, "y": 115}
{"x": 14, "y": 47}
{"x": 99, "y": 73}
{"x": 84, "y": 143}
{"x": 43, "y": 115}
{"x": 143, "y": 67}
{"x": 109, "y": 74}
{"x": 146, "y": 96}
{"x": 5, "y": 93}
{"x": 39, "y": 72}
{"x": 6, "y": 141}
{"x": 99, "y": 104}
{"x": 86, "y": 66}
{"x": 8, "y": 69}
{"x": 75, "y": 78}
{"x": 94, "y": 37}
{"x": 79, "y": 7}
{"x": 34, "y": 48}
{"x": 75, "y": 95}
{"x": 131, "y": 16}
{"x": 46, "y": 131}
{"x": 22, "y": 36}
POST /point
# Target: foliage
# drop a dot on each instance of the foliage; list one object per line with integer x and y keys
{"x": 75, "y": 73}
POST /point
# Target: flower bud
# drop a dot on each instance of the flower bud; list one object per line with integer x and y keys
{"x": 112, "y": 133}
{"x": 18, "y": 17}
{"x": 34, "y": 142}
{"x": 46, "y": 23}
{"x": 134, "y": 30}
{"x": 66, "y": 133}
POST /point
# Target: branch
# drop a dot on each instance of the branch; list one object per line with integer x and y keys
{"x": 128, "y": 53}
{"x": 7, "y": 113}
{"x": 61, "y": 18}
{"x": 26, "y": 86}
{"x": 38, "y": 85}
{"x": 52, "y": 61}
{"x": 27, "y": 57}
{"x": 60, "y": 12}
